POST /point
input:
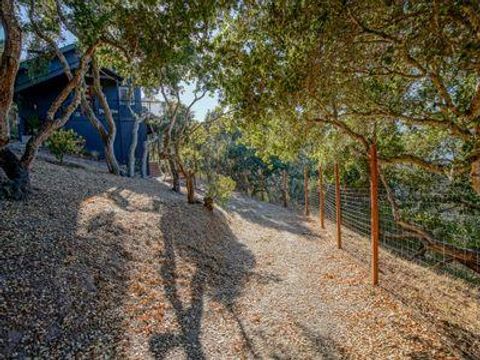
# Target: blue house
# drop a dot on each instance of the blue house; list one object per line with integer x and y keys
{"x": 35, "y": 91}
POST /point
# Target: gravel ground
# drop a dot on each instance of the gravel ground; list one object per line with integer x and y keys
{"x": 96, "y": 266}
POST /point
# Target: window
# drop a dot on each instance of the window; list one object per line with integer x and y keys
{"x": 124, "y": 95}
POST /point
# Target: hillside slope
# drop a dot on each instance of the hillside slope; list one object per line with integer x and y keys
{"x": 97, "y": 266}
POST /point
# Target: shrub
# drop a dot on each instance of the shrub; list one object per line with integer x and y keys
{"x": 219, "y": 190}
{"x": 33, "y": 124}
{"x": 95, "y": 155}
{"x": 63, "y": 142}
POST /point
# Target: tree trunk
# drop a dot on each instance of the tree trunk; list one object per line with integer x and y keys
{"x": 18, "y": 170}
{"x": 475, "y": 166}
{"x": 475, "y": 175}
{"x": 190, "y": 187}
{"x": 284, "y": 188}
{"x": 106, "y": 136}
{"x": 262, "y": 186}
{"x": 305, "y": 190}
{"x": 146, "y": 152}
{"x": 9, "y": 64}
{"x": 48, "y": 127}
{"x": 110, "y": 158}
{"x": 18, "y": 184}
{"x": 208, "y": 203}
{"x": 146, "y": 144}
{"x": 133, "y": 147}
{"x": 51, "y": 123}
{"x": 175, "y": 176}
{"x": 109, "y": 138}
{"x": 165, "y": 171}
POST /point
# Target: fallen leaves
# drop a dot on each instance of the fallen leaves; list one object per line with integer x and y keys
{"x": 97, "y": 266}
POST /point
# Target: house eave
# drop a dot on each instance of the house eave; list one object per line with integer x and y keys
{"x": 57, "y": 71}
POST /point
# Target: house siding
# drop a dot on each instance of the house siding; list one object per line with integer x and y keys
{"x": 34, "y": 99}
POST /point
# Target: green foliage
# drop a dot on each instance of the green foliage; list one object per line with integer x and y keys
{"x": 64, "y": 142}
{"x": 33, "y": 123}
{"x": 309, "y": 79}
{"x": 220, "y": 189}
{"x": 165, "y": 42}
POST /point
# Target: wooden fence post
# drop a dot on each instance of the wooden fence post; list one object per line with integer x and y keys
{"x": 321, "y": 197}
{"x": 306, "y": 173}
{"x": 262, "y": 186}
{"x": 284, "y": 188}
{"x": 375, "y": 224}
{"x": 338, "y": 206}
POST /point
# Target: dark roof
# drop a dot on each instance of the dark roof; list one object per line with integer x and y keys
{"x": 55, "y": 68}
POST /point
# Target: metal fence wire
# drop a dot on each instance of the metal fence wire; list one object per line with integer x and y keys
{"x": 356, "y": 220}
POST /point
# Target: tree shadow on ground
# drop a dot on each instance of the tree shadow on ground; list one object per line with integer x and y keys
{"x": 324, "y": 347}
{"x": 66, "y": 262}
{"x": 59, "y": 288}
{"x": 270, "y": 216}
{"x": 200, "y": 258}
{"x": 201, "y": 249}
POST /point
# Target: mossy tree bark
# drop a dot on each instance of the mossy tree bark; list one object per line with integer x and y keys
{"x": 18, "y": 177}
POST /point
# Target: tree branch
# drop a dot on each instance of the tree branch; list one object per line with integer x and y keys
{"x": 369, "y": 30}
{"x": 51, "y": 123}
{"x": 50, "y": 41}
{"x": 468, "y": 257}
{"x": 345, "y": 129}
{"x": 474, "y": 109}
{"x": 415, "y": 160}
{"x": 454, "y": 128}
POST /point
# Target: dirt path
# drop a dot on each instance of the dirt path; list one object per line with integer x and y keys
{"x": 97, "y": 266}
{"x": 316, "y": 302}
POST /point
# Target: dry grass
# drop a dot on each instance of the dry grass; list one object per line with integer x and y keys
{"x": 96, "y": 266}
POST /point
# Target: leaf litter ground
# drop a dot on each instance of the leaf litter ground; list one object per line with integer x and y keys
{"x": 97, "y": 266}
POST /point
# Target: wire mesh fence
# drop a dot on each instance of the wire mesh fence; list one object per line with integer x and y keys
{"x": 411, "y": 268}
{"x": 443, "y": 256}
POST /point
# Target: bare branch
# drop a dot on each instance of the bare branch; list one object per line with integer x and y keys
{"x": 442, "y": 90}
{"x": 196, "y": 99}
{"x": 384, "y": 71}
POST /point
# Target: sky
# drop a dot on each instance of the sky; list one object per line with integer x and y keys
{"x": 201, "y": 108}
{"x": 208, "y": 102}
{"x": 2, "y": 36}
